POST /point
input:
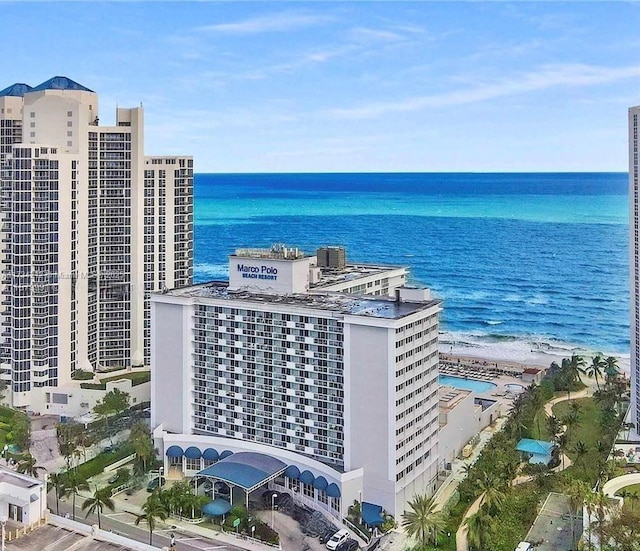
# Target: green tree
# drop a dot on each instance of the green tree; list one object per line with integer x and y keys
{"x": 493, "y": 489}
{"x": 28, "y": 466}
{"x": 575, "y": 368}
{"x": 100, "y": 499}
{"x": 479, "y": 530}
{"x": 422, "y": 522}
{"x": 153, "y": 510}
{"x": 142, "y": 442}
{"x": 577, "y": 491}
{"x": 56, "y": 481}
{"x": 596, "y": 368}
{"x": 113, "y": 403}
{"x": 21, "y": 430}
{"x": 581, "y": 451}
{"x": 74, "y": 484}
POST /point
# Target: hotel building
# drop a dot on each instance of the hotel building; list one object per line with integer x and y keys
{"x": 90, "y": 227}
{"x": 339, "y": 390}
{"x": 634, "y": 263}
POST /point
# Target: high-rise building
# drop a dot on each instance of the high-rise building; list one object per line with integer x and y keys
{"x": 90, "y": 227}
{"x": 331, "y": 396}
{"x": 634, "y": 263}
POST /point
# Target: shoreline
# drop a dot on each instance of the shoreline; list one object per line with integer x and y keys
{"x": 476, "y": 349}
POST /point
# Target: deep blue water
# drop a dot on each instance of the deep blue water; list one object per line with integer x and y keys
{"x": 536, "y": 258}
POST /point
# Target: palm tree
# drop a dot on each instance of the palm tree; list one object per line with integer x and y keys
{"x": 595, "y": 368}
{"x": 554, "y": 426}
{"x": 57, "y": 483}
{"x": 95, "y": 504}
{"x": 153, "y": 511}
{"x": 577, "y": 492}
{"x": 491, "y": 487}
{"x": 73, "y": 485}
{"x": 28, "y": 466}
{"x": 422, "y": 522}
{"x": 575, "y": 367}
{"x": 478, "y": 528}
{"x": 581, "y": 452}
{"x": 611, "y": 371}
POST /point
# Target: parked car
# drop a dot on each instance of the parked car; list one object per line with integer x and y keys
{"x": 113, "y": 478}
{"x": 339, "y": 537}
{"x": 349, "y": 545}
{"x": 326, "y": 535}
{"x": 153, "y": 484}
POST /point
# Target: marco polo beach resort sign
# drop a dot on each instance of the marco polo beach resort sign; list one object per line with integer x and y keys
{"x": 258, "y": 272}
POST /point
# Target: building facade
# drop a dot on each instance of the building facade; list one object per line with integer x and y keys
{"x": 343, "y": 387}
{"x": 90, "y": 227}
{"x": 634, "y": 263}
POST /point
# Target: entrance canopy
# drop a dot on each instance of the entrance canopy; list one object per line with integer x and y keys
{"x": 372, "y": 514}
{"x": 248, "y": 470}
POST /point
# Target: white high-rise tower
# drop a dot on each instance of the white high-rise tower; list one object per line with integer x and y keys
{"x": 90, "y": 227}
{"x": 634, "y": 218}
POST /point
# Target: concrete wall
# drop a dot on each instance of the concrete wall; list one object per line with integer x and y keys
{"x": 463, "y": 422}
{"x": 269, "y": 274}
{"x": 81, "y": 400}
{"x": 170, "y": 395}
{"x": 369, "y": 443}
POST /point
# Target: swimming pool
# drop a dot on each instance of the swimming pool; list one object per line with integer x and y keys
{"x": 515, "y": 388}
{"x": 466, "y": 384}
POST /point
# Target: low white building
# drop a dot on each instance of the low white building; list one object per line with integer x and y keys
{"x": 341, "y": 389}
{"x": 463, "y": 415}
{"x": 23, "y": 498}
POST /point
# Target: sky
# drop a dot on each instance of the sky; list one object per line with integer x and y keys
{"x": 359, "y": 86}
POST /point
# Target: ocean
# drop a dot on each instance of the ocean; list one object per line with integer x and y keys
{"x": 526, "y": 264}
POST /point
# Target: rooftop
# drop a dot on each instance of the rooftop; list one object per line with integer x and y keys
{"x": 276, "y": 252}
{"x": 18, "y": 479}
{"x": 60, "y": 83}
{"x": 449, "y": 397}
{"x": 357, "y": 305}
{"x": 331, "y": 276}
{"x": 16, "y": 90}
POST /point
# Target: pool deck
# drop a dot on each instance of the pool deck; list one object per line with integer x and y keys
{"x": 505, "y": 384}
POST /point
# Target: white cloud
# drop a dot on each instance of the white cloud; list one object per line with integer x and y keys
{"x": 548, "y": 76}
{"x": 277, "y": 22}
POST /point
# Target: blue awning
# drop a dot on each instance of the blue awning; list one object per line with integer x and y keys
{"x": 292, "y": 472}
{"x": 306, "y": 477}
{"x": 175, "y": 451}
{"x": 225, "y": 453}
{"x": 210, "y": 455}
{"x": 192, "y": 453}
{"x": 333, "y": 490}
{"x": 372, "y": 514}
{"x": 249, "y": 470}
{"x": 320, "y": 483}
{"x": 217, "y": 507}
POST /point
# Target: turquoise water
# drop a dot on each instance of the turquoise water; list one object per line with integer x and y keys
{"x": 521, "y": 260}
{"x": 466, "y": 384}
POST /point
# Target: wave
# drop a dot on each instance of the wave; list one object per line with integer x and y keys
{"x": 494, "y": 322}
{"x": 525, "y": 349}
{"x": 210, "y": 270}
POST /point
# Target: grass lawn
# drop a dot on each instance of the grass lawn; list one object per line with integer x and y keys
{"x": 589, "y": 428}
{"x": 136, "y": 379}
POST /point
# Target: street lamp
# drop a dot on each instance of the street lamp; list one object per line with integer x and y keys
{"x": 3, "y": 521}
{"x": 273, "y": 508}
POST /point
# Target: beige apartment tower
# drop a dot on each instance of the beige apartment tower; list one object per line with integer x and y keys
{"x": 90, "y": 227}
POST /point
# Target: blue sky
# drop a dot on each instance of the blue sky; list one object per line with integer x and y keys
{"x": 336, "y": 86}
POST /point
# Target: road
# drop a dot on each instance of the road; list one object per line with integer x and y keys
{"x": 123, "y": 523}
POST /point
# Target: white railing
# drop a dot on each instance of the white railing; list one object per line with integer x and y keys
{"x": 117, "y": 464}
